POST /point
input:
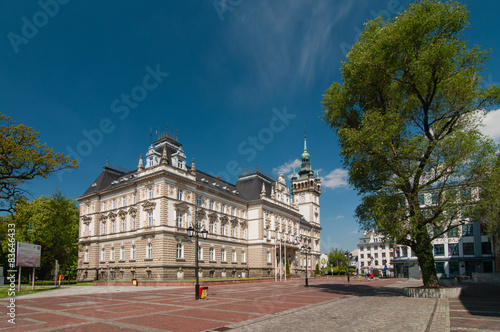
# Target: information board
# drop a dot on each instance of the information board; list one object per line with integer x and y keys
{"x": 28, "y": 254}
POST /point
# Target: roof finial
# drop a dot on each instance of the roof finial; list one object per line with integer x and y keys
{"x": 140, "y": 166}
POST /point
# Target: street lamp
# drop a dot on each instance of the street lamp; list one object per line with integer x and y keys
{"x": 306, "y": 250}
{"x": 348, "y": 255}
{"x": 191, "y": 230}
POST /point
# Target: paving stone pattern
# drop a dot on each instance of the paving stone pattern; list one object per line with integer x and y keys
{"x": 327, "y": 305}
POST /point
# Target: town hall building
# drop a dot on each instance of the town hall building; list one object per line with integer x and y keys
{"x": 135, "y": 223}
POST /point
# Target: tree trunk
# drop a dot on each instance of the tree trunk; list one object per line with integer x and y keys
{"x": 424, "y": 251}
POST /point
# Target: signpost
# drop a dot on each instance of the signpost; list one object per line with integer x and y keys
{"x": 27, "y": 255}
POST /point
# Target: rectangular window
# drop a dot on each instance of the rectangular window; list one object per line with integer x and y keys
{"x": 180, "y": 251}
{"x": 212, "y": 254}
{"x": 435, "y": 197}
{"x": 453, "y": 232}
{"x": 113, "y": 228}
{"x": 468, "y": 230}
{"x": 439, "y": 267}
{"x": 421, "y": 199}
{"x": 86, "y": 257}
{"x": 112, "y": 254}
{"x": 122, "y": 253}
{"x": 465, "y": 195}
{"x": 486, "y": 248}
{"x": 149, "y": 251}
{"x": 405, "y": 252}
{"x": 200, "y": 253}
{"x": 452, "y": 249}
{"x": 222, "y": 208}
{"x": 438, "y": 230}
{"x": 179, "y": 194}
{"x": 134, "y": 198}
{"x": 150, "y": 192}
{"x": 211, "y": 227}
{"x": 439, "y": 250}
{"x": 469, "y": 248}
{"x": 132, "y": 253}
{"x": 223, "y": 229}
{"x": 114, "y": 203}
{"x": 179, "y": 219}
{"x": 150, "y": 218}
{"x": 104, "y": 205}
{"x": 133, "y": 222}
{"x": 454, "y": 268}
{"x": 211, "y": 205}
{"x": 124, "y": 201}
{"x": 223, "y": 255}
{"x": 123, "y": 225}
{"x": 233, "y": 256}
{"x": 198, "y": 201}
{"x": 244, "y": 257}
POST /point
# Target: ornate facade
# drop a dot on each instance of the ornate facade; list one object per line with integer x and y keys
{"x": 135, "y": 222}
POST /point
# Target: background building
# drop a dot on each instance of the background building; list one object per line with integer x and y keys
{"x": 375, "y": 253}
{"x": 135, "y": 222}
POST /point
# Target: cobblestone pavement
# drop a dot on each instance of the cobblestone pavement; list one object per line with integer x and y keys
{"x": 327, "y": 305}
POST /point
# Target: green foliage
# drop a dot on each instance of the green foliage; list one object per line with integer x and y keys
{"x": 488, "y": 208}
{"x": 316, "y": 270}
{"x": 376, "y": 273}
{"x": 336, "y": 257}
{"x": 51, "y": 222}
{"x": 287, "y": 268}
{"x": 407, "y": 122}
{"x": 23, "y": 158}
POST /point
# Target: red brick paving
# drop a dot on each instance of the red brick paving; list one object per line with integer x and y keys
{"x": 176, "y": 310}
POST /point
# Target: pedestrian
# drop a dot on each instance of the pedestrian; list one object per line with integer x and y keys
{"x": 371, "y": 275}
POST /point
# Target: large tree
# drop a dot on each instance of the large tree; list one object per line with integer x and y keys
{"x": 51, "y": 222}
{"x": 406, "y": 115}
{"x": 24, "y": 158}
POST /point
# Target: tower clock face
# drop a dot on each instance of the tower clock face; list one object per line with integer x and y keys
{"x": 302, "y": 198}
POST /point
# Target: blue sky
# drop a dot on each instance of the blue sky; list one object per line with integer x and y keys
{"x": 239, "y": 80}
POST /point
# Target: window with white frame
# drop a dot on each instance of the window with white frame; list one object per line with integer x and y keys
{"x": 211, "y": 252}
{"x": 87, "y": 229}
{"x": 199, "y": 201}
{"x": 233, "y": 256}
{"x": 180, "y": 251}
{"x": 233, "y": 230}
{"x": 179, "y": 194}
{"x": 113, "y": 227}
{"x": 223, "y": 255}
{"x": 133, "y": 222}
{"x": 223, "y": 229}
{"x": 134, "y": 198}
{"x": 243, "y": 256}
{"x": 124, "y": 225}
{"x": 103, "y": 255}
{"x": 149, "y": 251}
{"x": 132, "y": 253}
{"x": 211, "y": 205}
{"x": 200, "y": 253}
{"x": 86, "y": 256}
{"x": 211, "y": 227}
{"x": 150, "y": 218}
{"x": 112, "y": 254}
{"x": 103, "y": 228}
{"x": 122, "y": 253}
{"x": 269, "y": 257}
{"x": 124, "y": 201}
{"x": 179, "y": 219}
{"x": 222, "y": 208}
{"x": 104, "y": 205}
{"x": 150, "y": 193}
{"x": 232, "y": 211}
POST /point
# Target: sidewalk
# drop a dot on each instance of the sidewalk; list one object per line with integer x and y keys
{"x": 326, "y": 305}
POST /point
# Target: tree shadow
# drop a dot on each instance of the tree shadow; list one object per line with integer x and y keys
{"x": 359, "y": 290}
{"x": 481, "y": 299}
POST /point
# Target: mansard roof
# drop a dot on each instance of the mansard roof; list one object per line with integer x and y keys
{"x": 104, "y": 180}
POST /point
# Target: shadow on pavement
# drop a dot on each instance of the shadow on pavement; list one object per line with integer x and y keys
{"x": 481, "y": 299}
{"x": 358, "y": 290}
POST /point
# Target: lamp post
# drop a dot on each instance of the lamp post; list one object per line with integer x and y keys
{"x": 306, "y": 250}
{"x": 191, "y": 232}
{"x": 348, "y": 255}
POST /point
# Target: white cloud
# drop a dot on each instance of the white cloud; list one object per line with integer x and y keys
{"x": 492, "y": 125}
{"x": 340, "y": 217}
{"x": 354, "y": 231}
{"x": 336, "y": 179}
{"x": 288, "y": 167}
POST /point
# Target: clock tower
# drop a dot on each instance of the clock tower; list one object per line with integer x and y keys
{"x": 306, "y": 189}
